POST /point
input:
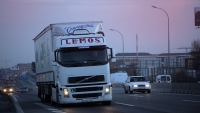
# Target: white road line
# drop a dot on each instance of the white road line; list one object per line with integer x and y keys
{"x": 51, "y": 109}
{"x": 136, "y": 96}
{"x": 58, "y": 111}
{"x": 124, "y": 104}
{"x": 15, "y": 95}
{"x": 190, "y": 101}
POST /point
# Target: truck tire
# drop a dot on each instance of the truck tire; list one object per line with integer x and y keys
{"x": 52, "y": 102}
{"x": 106, "y": 102}
{"x": 57, "y": 99}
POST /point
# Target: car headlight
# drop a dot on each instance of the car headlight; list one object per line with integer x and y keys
{"x": 135, "y": 85}
{"x": 147, "y": 85}
{"x": 66, "y": 93}
{"x": 4, "y": 90}
{"x": 107, "y": 90}
{"x": 11, "y": 89}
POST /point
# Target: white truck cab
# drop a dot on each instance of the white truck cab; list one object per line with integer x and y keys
{"x": 67, "y": 71}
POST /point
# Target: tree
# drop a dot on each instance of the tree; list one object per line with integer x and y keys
{"x": 33, "y": 66}
{"x": 195, "y": 49}
{"x": 195, "y": 52}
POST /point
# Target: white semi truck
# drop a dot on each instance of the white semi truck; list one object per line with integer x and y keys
{"x": 66, "y": 71}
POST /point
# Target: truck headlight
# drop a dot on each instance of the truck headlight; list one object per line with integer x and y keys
{"x": 135, "y": 85}
{"x": 107, "y": 90}
{"x": 147, "y": 85}
{"x": 66, "y": 93}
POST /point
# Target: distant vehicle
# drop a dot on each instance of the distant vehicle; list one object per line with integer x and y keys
{"x": 138, "y": 84}
{"x": 119, "y": 77}
{"x": 163, "y": 79}
{"x": 23, "y": 89}
{"x": 8, "y": 89}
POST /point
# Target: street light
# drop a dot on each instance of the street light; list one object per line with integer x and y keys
{"x": 168, "y": 37}
{"x": 122, "y": 45}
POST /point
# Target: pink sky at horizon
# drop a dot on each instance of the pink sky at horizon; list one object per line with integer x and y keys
{"x": 23, "y": 20}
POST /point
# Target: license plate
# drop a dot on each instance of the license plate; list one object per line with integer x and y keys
{"x": 141, "y": 88}
{"x": 87, "y": 100}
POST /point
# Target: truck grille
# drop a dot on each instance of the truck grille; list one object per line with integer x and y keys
{"x": 86, "y": 95}
{"x": 86, "y": 79}
{"x": 87, "y": 89}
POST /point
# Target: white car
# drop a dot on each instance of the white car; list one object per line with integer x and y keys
{"x": 138, "y": 84}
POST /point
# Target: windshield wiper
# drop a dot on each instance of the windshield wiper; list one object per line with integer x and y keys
{"x": 95, "y": 61}
{"x": 73, "y": 62}
{"x": 86, "y": 79}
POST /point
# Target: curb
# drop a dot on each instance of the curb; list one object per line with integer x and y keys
{"x": 16, "y": 105}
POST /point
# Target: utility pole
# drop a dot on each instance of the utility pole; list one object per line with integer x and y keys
{"x": 6, "y": 62}
{"x": 186, "y": 48}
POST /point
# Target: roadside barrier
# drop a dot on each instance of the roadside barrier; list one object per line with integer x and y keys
{"x": 161, "y": 88}
{"x": 180, "y": 88}
{"x": 195, "y": 88}
{"x": 189, "y": 88}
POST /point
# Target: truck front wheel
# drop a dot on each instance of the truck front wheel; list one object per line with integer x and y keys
{"x": 106, "y": 102}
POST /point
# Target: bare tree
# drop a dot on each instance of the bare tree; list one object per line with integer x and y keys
{"x": 195, "y": 50}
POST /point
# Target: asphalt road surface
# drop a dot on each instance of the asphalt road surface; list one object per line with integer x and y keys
{"x": 121, "y": 103}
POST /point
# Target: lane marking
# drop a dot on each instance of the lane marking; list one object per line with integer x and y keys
{"x": 58, "y": 111}
{"x": 15, "y": 95}
{"x": 190, "y": 101}
{"x": 124, "y": 104}
{"x": 136, "y": 96}
{"x": 50, "y": 108}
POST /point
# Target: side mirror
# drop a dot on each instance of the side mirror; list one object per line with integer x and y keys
{"x": 112, "y": 53}
{"x": 113, "y": 60}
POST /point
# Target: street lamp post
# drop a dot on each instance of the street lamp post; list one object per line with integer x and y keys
{"x": 122, "y": 45}
{"x": 168, "y": 38}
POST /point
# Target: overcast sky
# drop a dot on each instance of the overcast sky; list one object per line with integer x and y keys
{"x": 22, "y": 20}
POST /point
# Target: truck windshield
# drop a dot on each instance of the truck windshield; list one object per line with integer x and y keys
{"x": 84, "y": 56}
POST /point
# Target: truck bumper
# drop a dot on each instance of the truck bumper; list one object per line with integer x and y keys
{"x": 85, "y": 97}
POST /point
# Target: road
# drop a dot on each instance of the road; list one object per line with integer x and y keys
{"x": 122, "y": 103}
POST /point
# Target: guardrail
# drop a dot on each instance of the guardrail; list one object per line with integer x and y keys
{"x": 6, "y": 103}
{"x": 189, "y": 88}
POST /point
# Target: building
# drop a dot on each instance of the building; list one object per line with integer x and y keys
{"x": 151, "y": 65}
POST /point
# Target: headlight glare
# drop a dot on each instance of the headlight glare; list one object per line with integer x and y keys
{"x": 107, "y": 90}
{"x": 147, "y": 85}
{"x": 135, "y": 85}
{"x": 66, "y": 93}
